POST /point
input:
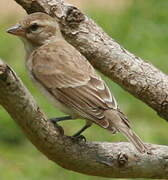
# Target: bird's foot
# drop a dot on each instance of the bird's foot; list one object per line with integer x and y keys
{"x": 58, "y": 127}
{"x": 79, "y": 138}
{"x": 78, "y": 135}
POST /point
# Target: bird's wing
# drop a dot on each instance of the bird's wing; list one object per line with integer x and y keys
{"x": 70, "y": 78}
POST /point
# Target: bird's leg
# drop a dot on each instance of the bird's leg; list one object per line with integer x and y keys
{"x": 55, "y": 120}
{"x": 81, "y": 130}
{"x": 78, "y": 134}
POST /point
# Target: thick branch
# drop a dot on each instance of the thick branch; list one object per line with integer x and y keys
{"x": 92, "y": 158}
{"x": 140, "y": 78}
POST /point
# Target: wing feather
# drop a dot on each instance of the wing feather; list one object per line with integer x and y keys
{"x": 70, "y": 78}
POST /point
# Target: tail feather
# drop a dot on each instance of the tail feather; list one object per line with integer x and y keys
{"x": 132, "y": 137}
{"x": 121, "y": 123}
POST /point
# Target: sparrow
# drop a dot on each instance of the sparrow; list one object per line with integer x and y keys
{"x": 68, "y": 79}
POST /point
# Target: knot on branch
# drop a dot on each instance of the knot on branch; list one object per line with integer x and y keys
{"x": 34, "y": 7}
{"x": 74, "y": 16}
{"x": 122, "y": 159}
{"x": 56, "y": 11}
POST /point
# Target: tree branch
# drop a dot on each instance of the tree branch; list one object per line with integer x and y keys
{"x": 132, "y": 73}
{"x": 118, "y": 160}
{"x": 138, "y": 77}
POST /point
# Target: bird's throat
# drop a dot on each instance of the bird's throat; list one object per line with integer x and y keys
{"x": 29, "y": 47}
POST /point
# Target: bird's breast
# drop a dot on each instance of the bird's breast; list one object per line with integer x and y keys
{"x": 52, "y": 99}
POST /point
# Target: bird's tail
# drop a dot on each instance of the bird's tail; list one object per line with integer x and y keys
{"x": 120, "y": 122}
{"x": 132, "y": 137}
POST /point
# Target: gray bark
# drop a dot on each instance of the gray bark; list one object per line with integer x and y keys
{"x": 115, "y": 160}
{"x": 136, "y": 76}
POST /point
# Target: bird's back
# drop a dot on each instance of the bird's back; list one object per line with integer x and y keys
{"x": 72, "y": 81}
{"x": 66, "y": 73}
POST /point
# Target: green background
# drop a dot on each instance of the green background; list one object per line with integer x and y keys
{"x": 142, "y": 29}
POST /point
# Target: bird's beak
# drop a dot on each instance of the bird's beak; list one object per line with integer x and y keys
{"x": 16, "y": 30}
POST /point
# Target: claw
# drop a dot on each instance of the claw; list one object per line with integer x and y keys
{"x": 61, "y": 130}
{"x": 79, "y": 138}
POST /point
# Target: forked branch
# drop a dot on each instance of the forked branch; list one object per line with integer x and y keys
{"x": 132, "y": 73}
{"x": 92, "y": 158}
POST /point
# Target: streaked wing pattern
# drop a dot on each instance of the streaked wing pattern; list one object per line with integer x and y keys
{"x": 72, "y": 82}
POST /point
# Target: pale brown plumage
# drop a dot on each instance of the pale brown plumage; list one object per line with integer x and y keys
{"x": 68, "y": 78}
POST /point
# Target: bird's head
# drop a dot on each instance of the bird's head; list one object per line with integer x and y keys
{"x": 36, "y": 28}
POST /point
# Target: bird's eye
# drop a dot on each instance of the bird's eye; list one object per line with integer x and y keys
{"x": 34, "y": 27}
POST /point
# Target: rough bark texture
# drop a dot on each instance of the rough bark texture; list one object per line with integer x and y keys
{"x": 132, "y": 73}
{"x": 92, "y": 158}
{"x": 138, "y": 77}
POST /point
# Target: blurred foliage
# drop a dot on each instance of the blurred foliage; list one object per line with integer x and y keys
{"x": 142, "y": 29}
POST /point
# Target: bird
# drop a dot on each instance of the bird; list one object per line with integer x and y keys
{"x": 68, "y": 79}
